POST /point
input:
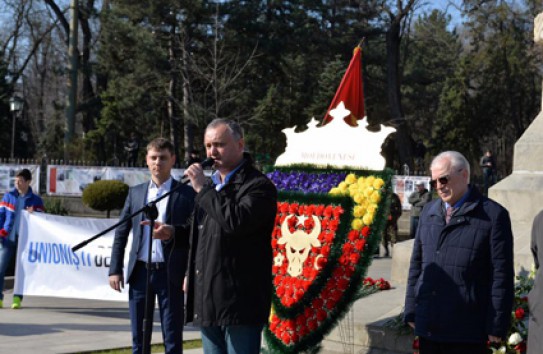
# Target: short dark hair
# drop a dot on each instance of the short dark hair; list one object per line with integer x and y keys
{"x": 25, "y": 174}
{"x": 161, "y": 144}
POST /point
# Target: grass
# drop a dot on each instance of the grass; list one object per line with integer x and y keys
{"x": 155, "y": 348}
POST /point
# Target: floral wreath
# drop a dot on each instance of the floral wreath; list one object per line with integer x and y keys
{"x": 328, "y": 225}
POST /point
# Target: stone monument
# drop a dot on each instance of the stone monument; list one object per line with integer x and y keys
{"x": 521, "y": 193}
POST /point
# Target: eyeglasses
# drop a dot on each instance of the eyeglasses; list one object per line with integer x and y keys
{"x": 442, "y": 180}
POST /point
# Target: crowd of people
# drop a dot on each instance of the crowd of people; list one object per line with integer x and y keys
{"x": 208, "y": 256}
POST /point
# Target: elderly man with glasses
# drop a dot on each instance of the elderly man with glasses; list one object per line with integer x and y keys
{"x": 461, "y": 279}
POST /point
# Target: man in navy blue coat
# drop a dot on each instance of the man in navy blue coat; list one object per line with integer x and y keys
{"x": 461, "y": 279}
{"x": 169, "y": 248}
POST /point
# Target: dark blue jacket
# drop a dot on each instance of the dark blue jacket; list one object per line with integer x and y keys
{"x": 461, "y": 279}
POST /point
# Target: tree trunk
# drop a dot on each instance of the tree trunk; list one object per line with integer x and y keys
{"x": 403, "y": 136}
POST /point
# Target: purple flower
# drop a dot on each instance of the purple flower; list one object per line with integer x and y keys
{"x": 299, "y": 181}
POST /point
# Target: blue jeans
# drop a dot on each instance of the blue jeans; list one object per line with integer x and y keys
{"x": 232, "y": 339}
{"x": 7, "y": 251}
{"x": 170, "y": 303}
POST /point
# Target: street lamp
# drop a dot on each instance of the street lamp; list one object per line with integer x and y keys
{"x": 15, "y": 105}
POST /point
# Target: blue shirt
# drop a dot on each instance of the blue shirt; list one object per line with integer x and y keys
{"x": 216, "y": 177}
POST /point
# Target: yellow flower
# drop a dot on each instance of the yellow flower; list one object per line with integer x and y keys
{"x": 361, "y": 181}
{"x": 358, "y": 198}
{"x": 335, "y": 191}
{"x": 272, "y": 312}
{"x": 375, "y": 197}
{"x": 370, "y": 180}
{"x": 371, "y": 208}
{"x": 351, "y": 178}
{"x": 343, "y": 187}
{"x": 359, "y": 211}
{"x": 368, "y": 218}
{"x": 378, "y": 183}
{"x": 356, "y": 224}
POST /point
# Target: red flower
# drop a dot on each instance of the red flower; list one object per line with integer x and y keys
{"x": 334, "y": 224}
{"x": 283, "y": 207}
{"x": 369, "y": 281}
{"x": 285, "y": 337}
{"x": 365, "y": 231}
{"x": 416, "y": 344}
{"x": 519, "y": 313}
{"x": 309, "y": 224}
{"x": 354, "y": 257}
{"x": 319, "y": 210}
{"x": 353, "y": 235}
{"x": 317, "y": 303}
{"x": 321, "y": 315}
{"x": 359, "y": 244}
{"x": 521, "y": 347}
{"x": 293, "y": 208}
{"x": 328, "y": 211}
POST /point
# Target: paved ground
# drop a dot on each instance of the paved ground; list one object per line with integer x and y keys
{"x": 55, "y": 325}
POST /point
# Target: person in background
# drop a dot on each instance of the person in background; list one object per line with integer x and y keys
{"x": 170, "y": 245}
{"x": 488, "y": 165}
{"x": 13, "y": 203}
{"x": 132, "y": 148}
{"x": 418, "y": 200}
{"x": 229, "y": 282}
{"x": 390, "y": 236}
{"x": 460, "y": 286}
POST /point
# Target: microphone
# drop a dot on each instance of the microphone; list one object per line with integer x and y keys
{"x": 207, "y": 162}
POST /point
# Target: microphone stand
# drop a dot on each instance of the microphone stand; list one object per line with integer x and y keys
{"x": 151, "y": 212}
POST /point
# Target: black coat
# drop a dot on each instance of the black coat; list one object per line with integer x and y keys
{"x": 461, "y": 279}
{"x": 230, "y": 260}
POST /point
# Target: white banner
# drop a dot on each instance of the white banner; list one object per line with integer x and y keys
{"x": 7, "y": 177}
{"x": 46, "y": 265}
{"x": 71, "y": 180}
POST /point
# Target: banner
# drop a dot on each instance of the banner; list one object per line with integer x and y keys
{"x": 403, "y": 186}
{"x": 64, "y": 180}
{"x": 7, "y": 177}
{"x": 46, "y": 265}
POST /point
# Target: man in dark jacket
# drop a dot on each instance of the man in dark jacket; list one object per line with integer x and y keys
{"x": 418, "y": 199}
{"x": 461, "y": 278}
{"x": 229, "y": 277}
{"x": 169, "y": 249}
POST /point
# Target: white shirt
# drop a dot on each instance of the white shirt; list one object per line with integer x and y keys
{"x": 154, "y": 192}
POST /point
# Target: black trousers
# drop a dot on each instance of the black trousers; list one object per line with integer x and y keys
{"x": 431, "y": 347}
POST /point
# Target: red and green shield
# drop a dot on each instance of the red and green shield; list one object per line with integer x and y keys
{"x": 327, "y": 227}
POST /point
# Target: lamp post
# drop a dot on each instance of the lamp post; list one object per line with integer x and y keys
{"x": 15, "y": 105}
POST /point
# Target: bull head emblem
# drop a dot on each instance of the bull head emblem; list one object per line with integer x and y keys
{"x": 298, "y": 244}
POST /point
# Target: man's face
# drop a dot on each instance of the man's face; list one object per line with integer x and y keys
{"x": 160, "y": 163}
{"x": 455, "y": 181}
{"x": 22, "y": 184}
{"x": 223, "y": 148}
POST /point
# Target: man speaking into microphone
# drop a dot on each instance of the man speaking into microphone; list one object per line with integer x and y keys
{"x": 229, "y": 272}
{"x": 169, "y": 248}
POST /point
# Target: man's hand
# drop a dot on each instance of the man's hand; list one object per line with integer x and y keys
{"x": 30, "y": 209}
{"x": 411, "y": 324}
{"x": 116, "y": 282}
{"x": 185, "y": 284}
{"x": 195, "y": 173}
{"x": 162, "y": 231}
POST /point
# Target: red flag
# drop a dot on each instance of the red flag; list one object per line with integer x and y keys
{"x": 350, "y": 91}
